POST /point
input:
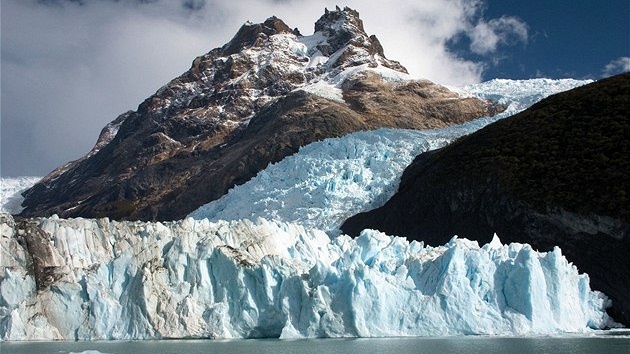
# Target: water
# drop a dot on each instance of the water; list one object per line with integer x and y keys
{"x": 417, "y": 345}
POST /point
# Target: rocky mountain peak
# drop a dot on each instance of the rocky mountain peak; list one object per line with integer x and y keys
{"x": 332, "y": 21}
{"x": 253, "y": 101}
{"x": 253, "y": 34}
{"x": 346, "y": 39}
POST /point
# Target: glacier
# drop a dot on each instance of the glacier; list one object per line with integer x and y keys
{"x": 261, "y": 279}
{"x": 328, "y": 181}
{"x": 279, "y": 267}
{"x": 10, "y": 192}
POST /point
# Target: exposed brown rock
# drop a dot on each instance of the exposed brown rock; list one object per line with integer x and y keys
{"x": 46, "y": 268}
{"x": 426, "y": 104}
{"x": 251, "y": 34}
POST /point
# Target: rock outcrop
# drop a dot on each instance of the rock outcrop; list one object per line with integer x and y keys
{"x": 554, "y": 175}
{"x": 240, "y": 107}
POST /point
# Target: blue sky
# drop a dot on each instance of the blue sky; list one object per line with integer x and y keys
{"x": 71, "y": 66}
{"x": 567, "y": 38}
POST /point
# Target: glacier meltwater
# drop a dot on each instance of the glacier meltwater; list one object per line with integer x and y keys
{"x": 277, "y": 268}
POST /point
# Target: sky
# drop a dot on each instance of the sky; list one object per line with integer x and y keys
{"x": 68, "y": 67}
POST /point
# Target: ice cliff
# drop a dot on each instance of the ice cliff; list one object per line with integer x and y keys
{"x": 124, "y": 280}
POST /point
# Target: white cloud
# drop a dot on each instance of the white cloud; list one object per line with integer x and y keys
{"x": 71, "y": 66}
{"x": 487, "y": 36}
{"x": 617, "y": 66}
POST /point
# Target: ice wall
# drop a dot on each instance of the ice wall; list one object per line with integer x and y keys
{"x": 133, "y": 280}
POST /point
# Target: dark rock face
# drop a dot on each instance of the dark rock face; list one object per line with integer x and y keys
{"x": 40, "y": 258}
{"x": 555, "y": 175}
{"x": 237, "y": 109}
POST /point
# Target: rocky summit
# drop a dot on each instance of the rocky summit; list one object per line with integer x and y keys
{"x": 252, "y": 102}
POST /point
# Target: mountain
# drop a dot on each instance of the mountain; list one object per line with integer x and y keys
{"x": 240, "y": 107}
{"x": 308, "y": 128}
{"x": 554, "y": 175}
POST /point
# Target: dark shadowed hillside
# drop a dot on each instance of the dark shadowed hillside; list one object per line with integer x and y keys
{"x": 557, "y": 174}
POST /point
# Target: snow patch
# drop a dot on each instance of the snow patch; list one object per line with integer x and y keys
{"x": 311, "y": 42}
{"x": 324, "y": 89}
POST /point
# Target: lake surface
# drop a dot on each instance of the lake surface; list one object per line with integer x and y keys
{"x": 609, "y": 344}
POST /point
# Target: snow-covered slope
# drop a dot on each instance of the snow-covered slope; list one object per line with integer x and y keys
{"x": 328, "y": 181}
{"x": 519, "y": 94}
{"x": 10, "y": 192}
{"x": 124, "y": 280}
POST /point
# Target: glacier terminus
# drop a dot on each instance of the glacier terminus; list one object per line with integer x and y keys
{"x": 262, "y": 279}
